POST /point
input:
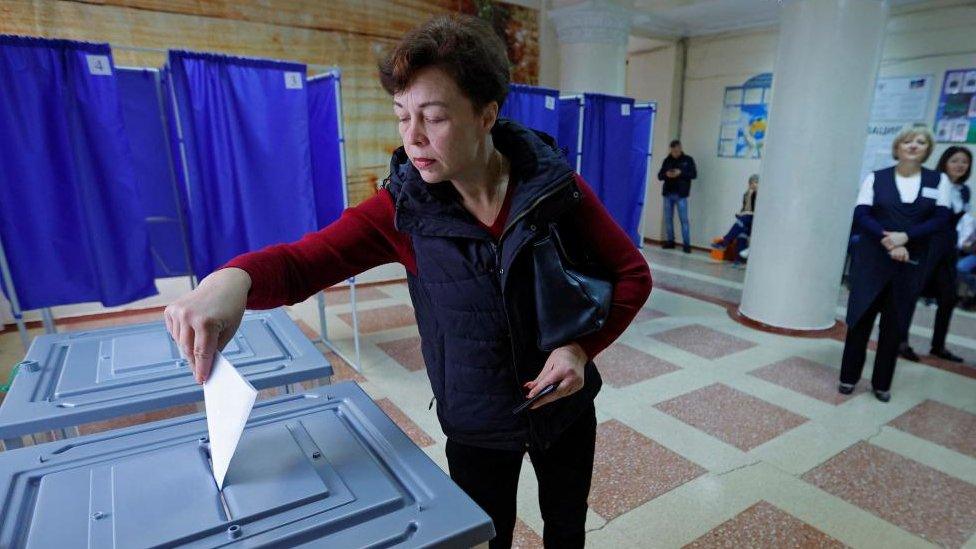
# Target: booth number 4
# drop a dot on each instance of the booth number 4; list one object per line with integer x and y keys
{"x": 293, "y": 80}
{"x": 99, "y": 65}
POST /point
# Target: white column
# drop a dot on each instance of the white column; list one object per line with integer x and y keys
{"x": 823, "y": 84}
{"x": 592, "y": 46}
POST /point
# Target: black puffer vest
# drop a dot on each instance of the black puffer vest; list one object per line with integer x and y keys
{"x": 473, "y": 296}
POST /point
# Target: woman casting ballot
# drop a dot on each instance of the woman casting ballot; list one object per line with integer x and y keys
{"x": 468, "y": 199}
{"x": 898, "y": 208}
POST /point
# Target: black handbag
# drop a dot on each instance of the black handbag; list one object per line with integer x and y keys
{"x": 571, "y": 299}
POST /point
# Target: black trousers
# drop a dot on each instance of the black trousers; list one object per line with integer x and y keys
{"x": 889, "y": 337}
{"x": 944, "y": 282}
{"x": 490, "y": 478}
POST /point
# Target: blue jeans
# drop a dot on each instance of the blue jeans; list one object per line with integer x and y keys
{"x": 740, "y": 232}
{"x": 967, "y": 271}
{"x": 670, "y": 201}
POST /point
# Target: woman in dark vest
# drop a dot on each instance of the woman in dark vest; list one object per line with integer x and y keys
{"x": 468, "y": 197}
{"x": 941, "y": 283}
{"x": 898, "y": 209}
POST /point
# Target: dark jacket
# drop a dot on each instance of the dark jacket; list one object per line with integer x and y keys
{"x": 871, "y": 267}
{"x": 473, "y": 297}
{"x": 680, "y": 185}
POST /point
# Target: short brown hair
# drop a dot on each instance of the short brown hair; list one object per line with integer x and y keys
{"x": 464, "y": 47}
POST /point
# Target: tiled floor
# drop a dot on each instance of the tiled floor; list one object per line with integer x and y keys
{"x": 941, "y": 424}
{"x": 732, "y": 416}
{"x": 703, "y": 341}
{"x": 804, "y": 376}
{"x": 711, "y": 434}
{"x": 631, "y": 469}
{"x": 763, "y": 525}
{"x": 621, "y": 365}
{"x": 922, "y": 500}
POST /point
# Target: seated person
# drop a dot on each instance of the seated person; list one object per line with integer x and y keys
{"x": 967, "y": 258}
{"x": 742, "y": 228}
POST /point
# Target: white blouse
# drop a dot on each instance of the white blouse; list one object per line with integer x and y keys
{"x": 908, "y": 188}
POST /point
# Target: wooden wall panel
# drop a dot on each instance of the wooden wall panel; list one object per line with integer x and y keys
{"x": 299, "y": 30}
{"x": 388, "y": 19}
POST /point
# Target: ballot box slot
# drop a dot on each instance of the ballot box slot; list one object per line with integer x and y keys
{"x": 205, "y": 450}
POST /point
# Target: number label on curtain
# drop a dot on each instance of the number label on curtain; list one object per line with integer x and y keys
{"x": 293, "y": 80}
{"x": 550, "y": 102}
{"x": 99, "y": 65}
{"x": 625, "y": 110}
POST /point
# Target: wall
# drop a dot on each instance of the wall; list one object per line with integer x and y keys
{"x": 549, "y": 57}
{"x": 926, "y": 38}
{"x": 715, "y": 63}
{"x": 651, "y": 76}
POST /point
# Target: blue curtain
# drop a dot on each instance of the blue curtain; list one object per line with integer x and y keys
{"x": 155, "y": 179}
{"x": 569, "y": 113}
{"x": 637, "y": 184}
{"x": 608, "y": 134}
{"x": 326, "y": 148}
{"x": 248, "y": 179}
{"x": 69, "y": 214}
{"x": 534, "y": 107}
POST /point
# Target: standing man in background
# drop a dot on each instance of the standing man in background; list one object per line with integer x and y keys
{"x": 677, "y": 171}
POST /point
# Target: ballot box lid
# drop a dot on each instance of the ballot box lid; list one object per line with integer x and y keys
{"x": 322, "y": 468}
{"x": 73, "y": 378}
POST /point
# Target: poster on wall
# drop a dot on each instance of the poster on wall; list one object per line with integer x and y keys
{"x": 898, "y": 100}
{"x": 955, "y": 119}
{"x": 745, "y": 117}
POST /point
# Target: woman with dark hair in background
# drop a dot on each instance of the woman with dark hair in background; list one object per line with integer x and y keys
{"x": 897, "y": 210}
{"x": 941, "y": 281}
{"x": 468, "y": 198}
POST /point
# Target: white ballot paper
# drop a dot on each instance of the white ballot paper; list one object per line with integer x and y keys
{"x": 229, "y": 398}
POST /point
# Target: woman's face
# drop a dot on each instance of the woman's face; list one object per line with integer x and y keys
{"x": 753, "y": 184}
{"x": 957, "y": 166}
{"x": 914, "y": 148}
{"x": 442, "y": 134}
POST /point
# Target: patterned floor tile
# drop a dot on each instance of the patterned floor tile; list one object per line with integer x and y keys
{"x": 416, "y": 434}
{"x": 631, "y": 469}
{"x": 341, "y": 370}
{"x": 804, "y": 376}
{"x": 913, "y": 496}
{"x": 384, "y": 318}
{"x": 731, "y": 416}
{"x": 763, "y": 526}
{"x": 341, "y": 296}
{"x": 703, "y": 341}
{"x": 621, "y": 365}
{"x": 525, "y": 537}
{"x": 405, "y": 351}
{"x": 646, "y": 314}
{"x": 941, "y": 424}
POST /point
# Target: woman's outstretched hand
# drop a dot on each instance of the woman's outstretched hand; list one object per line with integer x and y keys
{"x": 202, "y": 321}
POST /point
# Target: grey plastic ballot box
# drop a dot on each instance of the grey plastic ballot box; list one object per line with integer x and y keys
{"x": 73, "y": 378}
{"x": 326, "y": 468}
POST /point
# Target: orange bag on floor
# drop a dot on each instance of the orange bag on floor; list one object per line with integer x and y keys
{"x": 728, "y": 254}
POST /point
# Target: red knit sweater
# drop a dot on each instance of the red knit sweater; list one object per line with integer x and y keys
{"x": 364, "y": 237}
